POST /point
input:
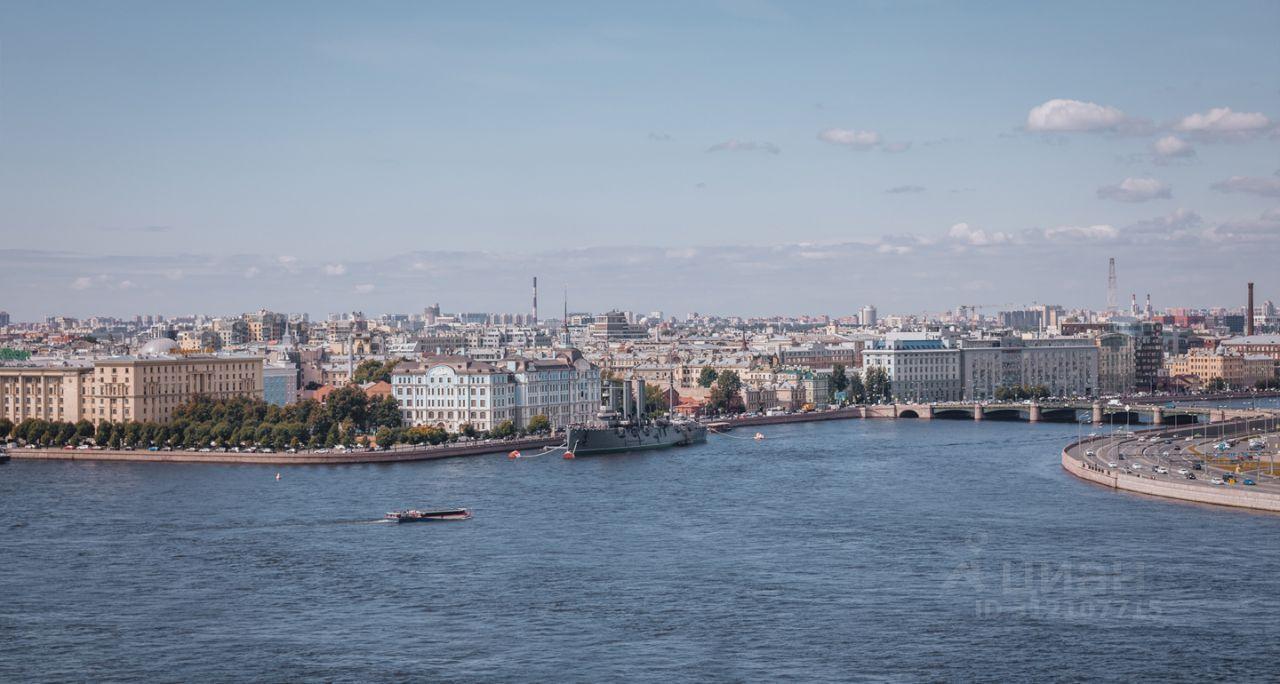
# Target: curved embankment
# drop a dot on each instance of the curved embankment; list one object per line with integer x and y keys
{"x": 1116, "y": 478}
{"x": 425, "y": 453}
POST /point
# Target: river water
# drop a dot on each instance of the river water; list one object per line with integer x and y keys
{"x": 884, "y": 550}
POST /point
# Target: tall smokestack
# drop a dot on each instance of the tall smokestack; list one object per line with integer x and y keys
{"x": 1248, "y": 313}
{"x": 535, "y": 301}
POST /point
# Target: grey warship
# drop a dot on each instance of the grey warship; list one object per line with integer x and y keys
{"x": 622, "y": 425}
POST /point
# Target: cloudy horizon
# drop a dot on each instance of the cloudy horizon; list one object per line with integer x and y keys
{"x": 744, "y": 158}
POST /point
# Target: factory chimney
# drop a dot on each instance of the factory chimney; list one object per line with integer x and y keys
{"x": 1248, "y": 313}
{"x": 535, "y": 302}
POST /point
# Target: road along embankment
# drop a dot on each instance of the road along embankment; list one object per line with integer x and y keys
{"x": 396, "y": 455}
{"x": 1198, "y": 491}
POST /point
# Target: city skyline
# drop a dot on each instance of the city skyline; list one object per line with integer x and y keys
{"x": 661, "y": 158}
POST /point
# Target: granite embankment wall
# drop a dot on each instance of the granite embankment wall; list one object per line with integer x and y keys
{"x": 1221, "y": 495}
{"x": 425, "y": 453}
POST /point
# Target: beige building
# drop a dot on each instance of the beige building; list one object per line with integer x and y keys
{"x": 44, "y": 392}
{"x": 1237, "y": 370}
{"x": 150, "y": 388}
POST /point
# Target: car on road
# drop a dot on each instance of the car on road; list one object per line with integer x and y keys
{"x": 1191, "y": 476}
{"x": 1250, "y": 482}
{"x": 1197, "y": 466}
{"x": 1215, "y": 480}
{"x": 1090, "y": 453}
{"x": 1183, "y": 471}
{"x": 1111, "y": 465}
{"x": 1162, "y": 470}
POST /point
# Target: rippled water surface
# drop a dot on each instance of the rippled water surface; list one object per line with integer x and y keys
{"x": 886, "y": 550}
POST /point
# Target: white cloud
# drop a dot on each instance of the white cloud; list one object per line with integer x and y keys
{"x": 174, "y": 274}
{"x": 290, "y": 263}
{"x": 1073, "y": 115}
{"x": 1177, "y": 225}
{"x": 252, "y": 272}
{"x": 1171, "y": 146}
{"x": 335, "y": 269}
{"x": 682, "y": 253}
{"x": 1264, "y": 228}
{"x": 1253, "y": 185}
{"x": 897, "y": 146}
{"x": 977, "y": 237}
{"x": 1097, "y": 233}
{"x": 905, "y": 189}
{"x": 858, "y": 140}
{"x": 1136, "y": 190}
{"x": 1221, "y": 122}
{"x": 126, "y": 285}
{"x": 887, "y": 248}
{"x": 364, "y": 288}
{"x": 82, "y": 283}
{"x": 744, "y": 146}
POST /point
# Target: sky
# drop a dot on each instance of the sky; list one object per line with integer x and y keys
{"x": 746, "y": 158}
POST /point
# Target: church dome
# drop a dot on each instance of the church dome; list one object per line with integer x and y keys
{"x": 161, "y": 346}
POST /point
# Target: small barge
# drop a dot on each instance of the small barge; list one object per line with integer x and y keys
{"x": 426, "y": 516}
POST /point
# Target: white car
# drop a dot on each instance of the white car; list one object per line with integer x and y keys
{"x": 1216, "y": 480}
{"x": 1183, "y": 471}
{"x": 1162, "y": 470}
{"x": 1135, "y": 466}
{"x": 1111, "y": 465}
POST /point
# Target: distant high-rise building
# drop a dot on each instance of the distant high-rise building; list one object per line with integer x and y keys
{"x": 1111, "y": 285}
{"x": 868, "y": 315}
{"x": 4, "y": 318}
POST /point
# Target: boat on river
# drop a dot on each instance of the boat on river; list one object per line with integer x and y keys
{"x": 413, "y": 515}
{"x": 622, "y": 425}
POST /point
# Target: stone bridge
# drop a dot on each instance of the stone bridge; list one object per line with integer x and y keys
{"x": 1060, "y": 412}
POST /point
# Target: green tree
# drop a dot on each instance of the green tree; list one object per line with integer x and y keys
{"x": 385, "y": 412}
{"x": 6, "y": 426}
{"x": 539, "y": 424}
{"x": 707, "y": 376}
{"x": 348, "y": 404}
{"x": 503, "y": 430}
{"x": 385, "y": 437}
{"x": 371, "y": 370}
{"x": 857, "y": 391}
{"x": 877, "y": 384}
{"x": 839, "y": 381}
{"x": 103, "y": 434}
{"x": 656, "y": 400}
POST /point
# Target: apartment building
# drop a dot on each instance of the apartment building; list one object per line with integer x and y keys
{"x": 149, "y": 388}
{"x": 52, "y": 392}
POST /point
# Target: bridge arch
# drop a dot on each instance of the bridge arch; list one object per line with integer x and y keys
{"x": 908, "y": 413}
{"x": 1002, "y": 414}
{"x": 953, "y": 414}
{"x": 1059, "y": 415}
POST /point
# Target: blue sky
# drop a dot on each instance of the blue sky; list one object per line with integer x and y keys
{"x": 740, "y": 157}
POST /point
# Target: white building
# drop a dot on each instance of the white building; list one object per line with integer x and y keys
{"x": 564, "y": 388}
{"x": 450, "y": 392}
{"x": 918, "y": 369}
{"x": 453, "y": 391}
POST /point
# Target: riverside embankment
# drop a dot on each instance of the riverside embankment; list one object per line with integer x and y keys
{"x": 1098, "y": 459}
{"x": 394, "y": 455}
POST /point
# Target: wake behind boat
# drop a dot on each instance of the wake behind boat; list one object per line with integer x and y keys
{"x": 414, "y": 515}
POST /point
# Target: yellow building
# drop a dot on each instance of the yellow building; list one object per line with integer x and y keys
{"x": 45, "y": 392}
{"x": 148, "y": 389}
{"x": 1237, "y": 370}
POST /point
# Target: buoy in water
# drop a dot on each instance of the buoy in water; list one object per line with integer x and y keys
{"x": 514, "y": 454}
{"x": 759, "y": 436}
{"x": 568, "y": 455}
{"x": 277, "y": 477}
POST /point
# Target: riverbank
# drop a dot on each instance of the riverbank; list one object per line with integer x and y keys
{"x": 394, "y": 455}
{"x": 1075, "y": 460}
